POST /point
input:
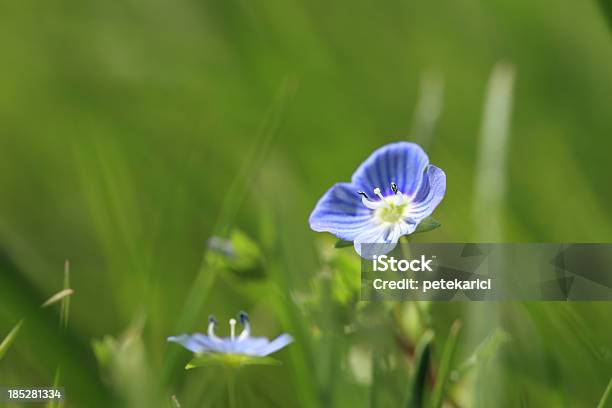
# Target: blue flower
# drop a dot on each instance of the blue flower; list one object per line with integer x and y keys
{"x": 222, "y": 246}
{"x": 388, "y": 196}
{"x": 241, "y": 345}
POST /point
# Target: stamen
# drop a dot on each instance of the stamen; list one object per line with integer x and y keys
{"x": 211, "y": 328}
{"x": 244, "y": 321}
{"x": 361, "y": 193}
{"x": 243, "y": 317}
{"x": 377, "y": 192}
{"x": 232, "y": 323}
{"x": 394, "y": 187}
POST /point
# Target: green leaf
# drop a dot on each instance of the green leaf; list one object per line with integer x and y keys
{"x": 427, "y": 224}
{"x": 345, "y": 268}
{"x": 343, "y": 244}
{"x": 419, "y": 383}
{"x": 9, "y": 339}
{"x": 445, "y": 364}
{"x": 124, "y": 363}
{"x": 247, "y": 254}
{"x": 104, "y": 350}
{"x": 229, "y": 360}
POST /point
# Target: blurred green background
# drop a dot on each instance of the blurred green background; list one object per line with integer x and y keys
{"x": 133, "y": 131}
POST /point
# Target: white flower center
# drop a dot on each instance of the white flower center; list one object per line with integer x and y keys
{"x": 390, "y": 209}
{"x": 244, "y": 321}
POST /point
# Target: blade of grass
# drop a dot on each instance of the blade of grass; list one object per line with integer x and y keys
{"x": 281, "y": 270}
{"x": 56, "y": 384}
{"x": 239, "y": 188}
{"x": 235, "y": 197}
{"x": 58, "y": 297}
{"x": 64, "y": 297}
{"x": 603, "y": 403}
{"x": 419, "y": 383}
{"x": 484, "y": 352}
{"x": 175, "y": 402}
{"x": 40, "y": 334}
{"x": 490, "y": 189}
{"x": 10, "y": 339}
{"x": 428, "y": 108}
{"x": 491, "y": 166}
{"x": 445, "y": 365}
{"x": 65, "y": 306}
{"x": 377, "y": 377}
{"x": 302, "y": 366}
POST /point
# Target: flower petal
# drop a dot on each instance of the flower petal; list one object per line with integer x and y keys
{"x": 402, "y": 163}
{"x": 275, "y": 345}
{"x": 196, "y": 343}
{"x": 382, "y": 239}
{"x": 250, "y": 345}
{"x": 341, "y": 212}
{"x": 429, "y": 195}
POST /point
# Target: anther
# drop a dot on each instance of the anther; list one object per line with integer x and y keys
{"x": 244, "y": 321}
{"x": 243, "y": 317}
{"x": 394, "y": 188}
{"x": 361, "y": 193}
{"x": 211, "y": 327}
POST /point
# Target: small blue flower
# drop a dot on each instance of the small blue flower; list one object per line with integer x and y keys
{"x": 241, "y": 345}
{"x": 222, "y": 246}
{"x": 388, "y": 196}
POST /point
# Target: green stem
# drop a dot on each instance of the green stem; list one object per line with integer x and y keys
{"x": 404, "y": 249}
{"x": 231, "y": 388}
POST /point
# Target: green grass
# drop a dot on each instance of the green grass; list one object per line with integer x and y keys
{"x": 9, "y": 339}
{"x": 132, "y": 132}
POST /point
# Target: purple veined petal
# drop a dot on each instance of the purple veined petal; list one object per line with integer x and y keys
{"x": 341, "y": 212}
{"x": 191, "y": 343}
{"x": 275, "y": 345}
{"x": 430, "y": 193}
{"x": 250, "y": 345}
{"x": 210, "y": 344}
{"x": 382, "y": 239}
{"x": 187, "y": 342}
{"x": 402, "y": 163}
